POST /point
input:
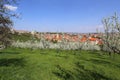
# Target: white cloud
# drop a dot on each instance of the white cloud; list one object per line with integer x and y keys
{"x": 10, "y": 7}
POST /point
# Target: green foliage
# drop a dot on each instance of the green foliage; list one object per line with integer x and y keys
{"x": 23, "y": 37}
{"x": 46, "y": 64}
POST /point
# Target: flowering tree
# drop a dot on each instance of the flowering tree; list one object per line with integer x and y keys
{"x": 111, "y": 35}
{"x": 6, "y": 12}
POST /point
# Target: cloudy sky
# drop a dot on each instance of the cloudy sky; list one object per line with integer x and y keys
{"x": 10, "y": 7}
{"x": 64, "y": 15}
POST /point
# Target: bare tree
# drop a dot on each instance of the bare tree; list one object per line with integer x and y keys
{"x": 5, "y": 21}
{"x": 111, "y": 35}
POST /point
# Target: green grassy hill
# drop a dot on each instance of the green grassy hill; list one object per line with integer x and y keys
{"x": 23, "y": 37}
{"x": 27, "y": 64}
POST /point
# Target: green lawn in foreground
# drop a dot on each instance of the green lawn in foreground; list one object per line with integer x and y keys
{"x": 26, "y": 64}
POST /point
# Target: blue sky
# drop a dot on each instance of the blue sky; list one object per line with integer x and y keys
{"x": 64, "y": 15}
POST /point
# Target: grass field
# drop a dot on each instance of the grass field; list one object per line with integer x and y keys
{"x": 27, "y": 64}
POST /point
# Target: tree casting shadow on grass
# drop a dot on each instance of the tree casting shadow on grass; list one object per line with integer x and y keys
{"x": 9, "y": 52}
{"x": 12, "y": 62}
{"x": 63, "y": 74}
{"x": 80, "y": 73}
{"x": 85, "y": 74}
{"x": 103, "y": 62}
